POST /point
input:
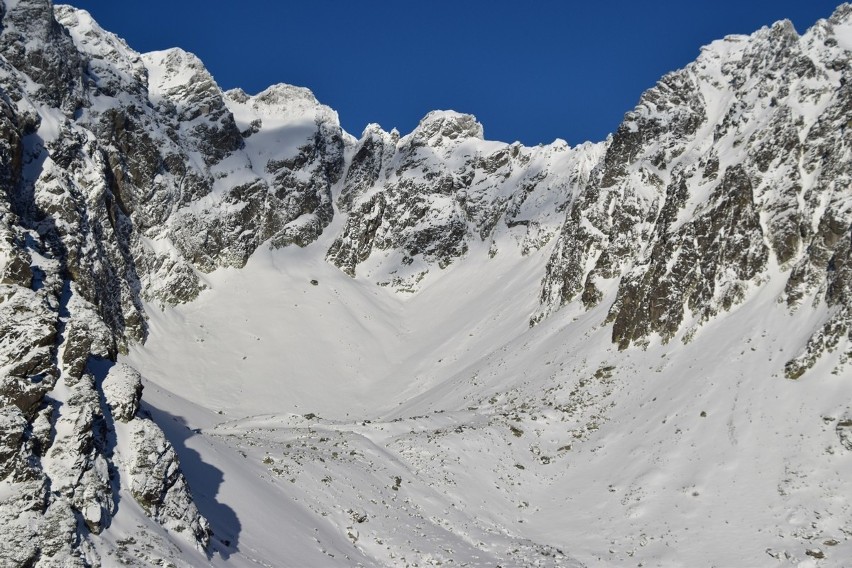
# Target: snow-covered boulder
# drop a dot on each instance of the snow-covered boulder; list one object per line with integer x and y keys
{"x": 122, "y": 388}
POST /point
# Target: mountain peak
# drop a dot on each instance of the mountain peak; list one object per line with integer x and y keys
{"x": 842, "y": 14}
{"x": 285, "y": 102}
{"x": 441, "y": 127}
{"x": 282, "y": 94}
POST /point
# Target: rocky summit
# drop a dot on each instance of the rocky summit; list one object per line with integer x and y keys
{"x": 233, "y": 334}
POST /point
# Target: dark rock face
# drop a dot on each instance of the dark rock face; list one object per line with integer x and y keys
{"x": 421, "y": 200}
{"x": 715, "y": 255}
{"x": 724, "y": 171}
{"x": 372, "y": 156}
{"x": 156, "y": 482}
{"x": 123, "y": 177}
{"x": 34, "y": 43}
{"x": 281, "y": 196}
{"x": 188, "y": 94}
{"x": 80, "y": 160}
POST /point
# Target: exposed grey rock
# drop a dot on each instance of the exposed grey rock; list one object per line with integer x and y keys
{"x": 156, "y": 482}
{"x": 34, "y": 43}
{"x": 12, "y": 427}
{"x": 22, "y": 515}
{"x": 716, "y": 255}
{"x": 373, "y": 153}
{"x": 694, "y": 199}
{"x": 78, "y": 461}
{"x": 844, "y": 432}
{"x": 85, "y": 335}
{"x": 28, "y": 332}
{"x": 426, "y": 196}
{"x": 179, "y": 83}
{"x": 69, "y": 285}
{"x": 122, "y": 389}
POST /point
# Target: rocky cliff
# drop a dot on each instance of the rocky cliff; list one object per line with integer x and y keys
{"x": 416, "y": 203}
{"x": 127, "y": 177}
{"x": 730, "y": 175}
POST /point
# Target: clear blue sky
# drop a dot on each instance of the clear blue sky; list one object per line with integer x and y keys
{"x": 530, "y": 71}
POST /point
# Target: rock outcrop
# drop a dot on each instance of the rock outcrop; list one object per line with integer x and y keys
{"x": 728, "y": 174}
{"x": 417, "y": 202}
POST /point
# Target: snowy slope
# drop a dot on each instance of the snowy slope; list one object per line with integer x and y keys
{"x": 549, "y": 436}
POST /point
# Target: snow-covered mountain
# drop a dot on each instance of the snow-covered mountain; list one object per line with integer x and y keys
{"x": 422, "y": 349}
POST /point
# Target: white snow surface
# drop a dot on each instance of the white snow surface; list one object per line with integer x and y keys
{"x": 295, "y": 407}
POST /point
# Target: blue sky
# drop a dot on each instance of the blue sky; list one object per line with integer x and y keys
{"x": 531, "y": 71}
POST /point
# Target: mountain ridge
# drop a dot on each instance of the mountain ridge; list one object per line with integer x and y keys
{"x": 135, "y": 185}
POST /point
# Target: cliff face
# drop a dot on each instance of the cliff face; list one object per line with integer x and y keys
{"x": 127, "y": 177}
{"x": 416, "y": 203}
{"x": 730, "y": 175}
{"x": 76, "y": 150}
